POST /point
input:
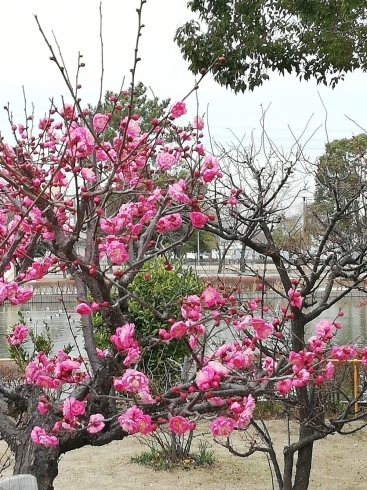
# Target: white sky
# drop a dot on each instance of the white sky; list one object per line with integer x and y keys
{"x": 25, "y": 61}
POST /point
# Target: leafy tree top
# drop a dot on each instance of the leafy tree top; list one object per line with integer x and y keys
{"x": 340, "y": 166}
{"x": 314, "y": 39}
{"x": 147, "y": 106}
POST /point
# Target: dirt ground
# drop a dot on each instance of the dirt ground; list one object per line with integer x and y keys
{"x": 340, "y": 462}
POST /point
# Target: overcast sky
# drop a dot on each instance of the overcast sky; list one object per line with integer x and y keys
{"x": 25, "y": 61}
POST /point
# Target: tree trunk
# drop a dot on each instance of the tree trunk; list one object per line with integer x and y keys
{"x": 308, "y": 412}
{"x": 243, "y": 258}
{"x": 39, "y": 461}
{"x": 304, "y": 463}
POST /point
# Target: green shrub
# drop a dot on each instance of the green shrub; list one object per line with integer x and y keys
{"x": 161, "y": 289}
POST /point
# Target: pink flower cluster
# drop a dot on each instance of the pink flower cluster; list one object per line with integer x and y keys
{"x": 115, "y": 250}
{"x": 134, "y": 421}
{"x": 51, "y": 373}
{"x": 14, "y": 294}
{"x": 263, "y": 330}
{"x": 73, "y": 411}
{"x": 41, "y": 438}
{"x": 295, "y": 298}
{"x": 209, "y": 376}
{"x": 242, "y": 413}
{"x": 210, "y": 169}
{"x": 124, "y": 340}
{"x": 235, "y": 355}
{"x": 180, "y": 425}
{"x": 80, "y": 142}
{"x": 178, "y": 109}
{"x": 20, "y": 332}
{"x": 312, "y": 364}
{"x": 169, "y": 223}
{"x": 85, "y": 309}
{"x": 191, "y": 311}
{"x": 134, "y": 381}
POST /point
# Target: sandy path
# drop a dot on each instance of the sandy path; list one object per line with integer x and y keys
{"x": 340, "y": 463}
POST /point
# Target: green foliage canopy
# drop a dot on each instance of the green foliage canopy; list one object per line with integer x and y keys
{"x": 160, "y": 287}
{"x": 148, "y": 106}
{"x": 339, "y": 187}
{"x": 321, "y": 39}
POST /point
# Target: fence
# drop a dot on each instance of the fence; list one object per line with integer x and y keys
{"x": 348, "y": 383}
{"x": 45, "y": 291}
{"x": 19, "y": 482}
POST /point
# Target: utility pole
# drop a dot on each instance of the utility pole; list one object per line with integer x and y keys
{"x": 198, "y": 247}
{"x": 304, "y": 224}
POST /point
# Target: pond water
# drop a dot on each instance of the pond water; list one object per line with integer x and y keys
{"x": 64, "y": 331}
{"x": 37, "y": 316}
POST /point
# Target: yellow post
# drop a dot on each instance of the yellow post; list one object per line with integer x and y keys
{"x": 355, "y": 383}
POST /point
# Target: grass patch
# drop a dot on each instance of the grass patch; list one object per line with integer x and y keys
{"x": 159, "y": 461}
{"x": 268, "y": 409}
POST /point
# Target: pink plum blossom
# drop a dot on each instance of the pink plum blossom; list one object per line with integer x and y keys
{"x": 329, "y": 370}
{"x": 300, "y": 378}
{"x": 239, "y": 359}
{"x": 295, "y": 298}
{"x": 124, "y": 336}
{"x": 169, "y": 223}
{"x": 134, "y": 420}
{"x": 284, "y": 386}
{"x": 132, "y": 381}
{"x": 245, "y": 416}
{"x": 217, "y": 401}
{"x": 20, "y": 332}
{"x": 198, "y": 220}
{"x": 198, "y": 123}
{"x": 252, "y": 305}
{"x": 179, "y": 425}
{"x": 131, "y": 126}
{"x": 88, "y": 174}
{"x": 117, "y": 252}
{"x": 102, "y": 353}
{"x": 100, "y": 122}
{"x": 324, "y": 329}
{"x": 81, "y": 142}
{"x": 177, "y": 192}
{"x": 268, "y": 365}
{"x": 132, "y": 356}
{"x": 178, "y": 109}
{"x": 83, "y": 309}
{"x": 262, "y": 329}
{"x": 210, "y": 375}
{"x": 211, "y": 297}
{"x": 243, "y": 323}
{"x": 222, "y": 426}
{"x": 209, "y": 169}
{"x": 96, "y": 423}
{"x": 43, "y": 405}
{"x": 178, "y": 330}
{"x": 191, "y": 308}
{"x": 68, "y": 111}
{"x": 206, "y": 377}
{"x": 166, "y": 160}
{"x": 343, "y": 352}
{"x": 72, "y": 408}
{"x": 41, "y": 438}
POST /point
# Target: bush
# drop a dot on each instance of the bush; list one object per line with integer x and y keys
{"x": 161, "y": 287}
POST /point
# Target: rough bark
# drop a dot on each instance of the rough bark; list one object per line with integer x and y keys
{"x": 39, "y": 461}
{"x": 304, "y": 461}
